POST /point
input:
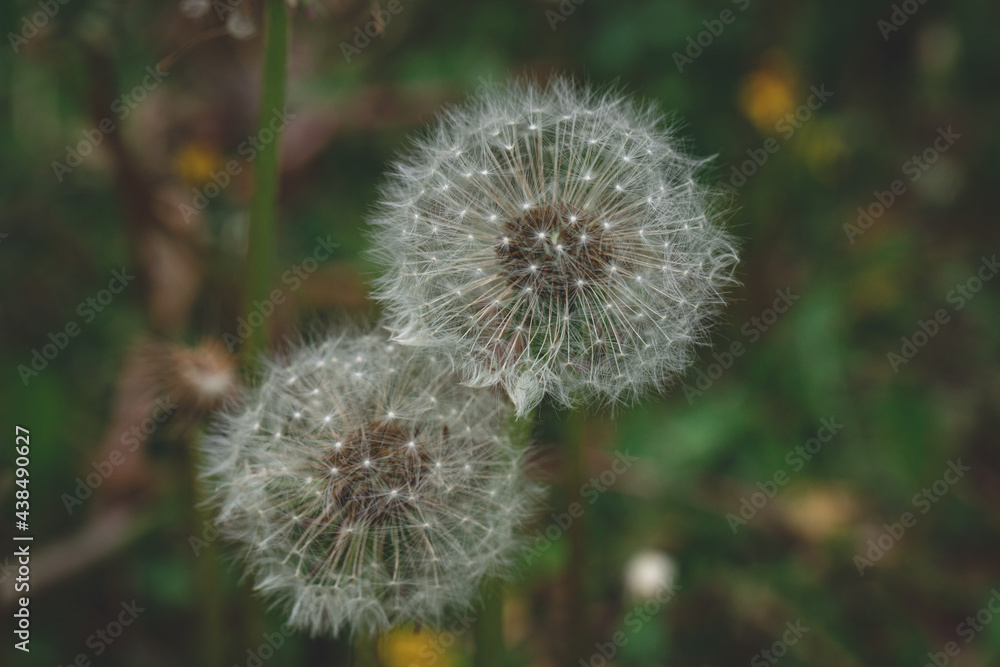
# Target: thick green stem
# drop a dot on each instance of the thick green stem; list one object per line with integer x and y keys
{"x": 263, "y": 211}
{"x": 266, "y": 173}
{"x": 366, "y": 652}
{"x": 577, "y": 619}
{"x": 488, "y": 631}
{"x": 211, "y": 604}
{"x": 489, "y": 627}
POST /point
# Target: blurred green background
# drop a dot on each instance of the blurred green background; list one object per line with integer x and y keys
{"x": 870, "y": 87}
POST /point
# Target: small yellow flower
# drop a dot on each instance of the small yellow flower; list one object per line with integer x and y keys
{"x": 195, "y": 163}
{"x": 405, "y": 648}
{"x": 821, "y": 146}
{"x": 767, "y": 95}
{"x": 820, "y": 512}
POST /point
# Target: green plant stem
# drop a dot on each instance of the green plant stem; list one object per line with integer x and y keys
{"x": 251, "y": 617}
{"x": 263, "y": 211}
{"x": 266, "y": 173}
{"x": 577, "y": 620}
{"x": 211, "y": 603}
{"x": 366, "y": 652}
{"x": 488, "y": 629}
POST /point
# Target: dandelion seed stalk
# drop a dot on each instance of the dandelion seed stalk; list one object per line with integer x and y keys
{"x": 365, "y": 652}
{"x": 489, "y": 647}
{"x": 263, "y": 205}
{"x": 574, "y": 477}
{"x": 489, "y": 628}
{"x": 266, "y": 173}
{"x": 211, "y": 632}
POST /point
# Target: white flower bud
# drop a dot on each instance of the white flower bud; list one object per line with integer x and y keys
{"x": 648, "y": 573}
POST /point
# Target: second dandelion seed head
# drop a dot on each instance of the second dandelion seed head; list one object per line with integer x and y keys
{"x": 368, "y": 487}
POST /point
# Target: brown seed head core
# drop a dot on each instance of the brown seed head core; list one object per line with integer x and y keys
{"x": 372, "y": 472}
{"x": 554, "y": 251}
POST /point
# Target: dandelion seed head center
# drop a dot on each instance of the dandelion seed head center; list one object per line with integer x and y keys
{"x": 360, "y": 474}
{"x": 553, "y": 249}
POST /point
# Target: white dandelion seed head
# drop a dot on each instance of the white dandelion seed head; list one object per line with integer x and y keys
{"x": 369, "y": 490}
{"x": 573, "y": 253}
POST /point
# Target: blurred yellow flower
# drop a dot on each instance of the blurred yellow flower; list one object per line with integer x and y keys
{"x": 195, "y": 162}
{"x": 820, "y": 146}
{"x": 819, "y": 512}
{"x": 767, "y": 95}
{"x": 405, "y": 648}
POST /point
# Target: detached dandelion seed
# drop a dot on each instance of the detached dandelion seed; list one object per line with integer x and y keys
{"x": 571, "y": 253}
{"x": 372, "y": 491}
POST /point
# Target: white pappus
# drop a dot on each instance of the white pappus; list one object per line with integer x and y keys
{"x": 553, "y": 240}
{"x": 368, "y": 487}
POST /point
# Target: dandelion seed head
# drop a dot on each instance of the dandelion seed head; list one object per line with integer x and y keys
{"x": 567, "y": 266}
{"x": 357, "y": 517}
